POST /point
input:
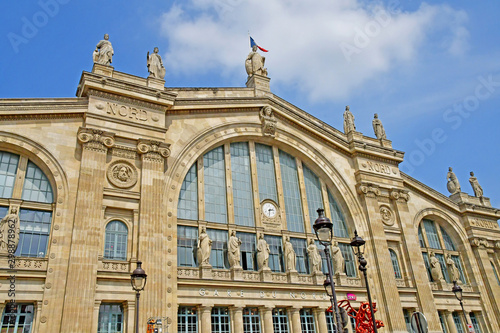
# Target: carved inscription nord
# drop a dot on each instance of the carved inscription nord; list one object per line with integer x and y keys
{"x": 378, "y": 167}
{"x": 484, "y": 224}
{"x": 124, "y": 111}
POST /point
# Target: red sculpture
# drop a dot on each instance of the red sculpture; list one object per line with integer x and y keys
{"x": 363, "y": 316}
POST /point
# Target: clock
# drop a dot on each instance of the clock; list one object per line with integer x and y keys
{"x": 269, "y": 209}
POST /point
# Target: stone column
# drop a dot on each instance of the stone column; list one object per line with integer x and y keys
{"x": 321, "y": 319}
{"x": 38, "y": 311}
{"x": 95, "y": 316}
{"x": 267, "y": 314}
{"x": 153, "y": 234}
{"x": 295, "y": 319}
{"x": 206, "y": 319}
{"x": 238, "y": 319}
{"x": 451, "y": 324}
{"x": 88, "y": 232}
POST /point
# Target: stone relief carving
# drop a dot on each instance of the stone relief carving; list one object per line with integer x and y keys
{"x": 369, "y": 190}
{"x": 9, "y": 232}
{"x": 103, "y": 53}
{"x": 436, "y": 272}
{"x": 204, "y": 248}
{"x": 94, "y": 139}
{"x": 338, "y": 259}
{"x": 155, "y": 65}
{"x": 453, "y": 185}
{"x": 263, "y": 253}
{"x": 478, "y": 190}
{"x": 290, "y": 256}
{"x": 154, "y": 150}
{"x": 387, "y": 216}
{"x": 254, "y": 64}
{"x": 453, "y": 269}
{"x": 314, "y": 257}
{"x": 233, "y": 250}
{"x": 478, "y": 242}
{"x": 348, "y": 121}
{"x": 400, "y": 195}
{"x": 268, "y": 121}
{"x": 378, "y": 128}
{"x": 122, "y": 174}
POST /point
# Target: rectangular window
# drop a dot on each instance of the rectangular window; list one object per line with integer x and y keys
{"x": 307, "y": 321}
{"x": 242, "y": 184}
{"x": 444, "y": 269}
{"x": 458, "y": 263}
{"x": 350, "y": 262}
{"x": 251, "y": 320}
{"x": 406, "y": 314}
{"x": 34, "y": 235}
{"x": 188, "y": 198}
{"x": 214, "y": 174}
{"x": 475, "y": 322}
{"x": 110, "y": 318}
{"x": 291, "y": 192}
{"x": 220, "y": 320}
{"x": 458, "y": 322}
{"x": 276, "y": 253}
{"x": 8, "y": 170}
{"x": 280, "y": 321}
{"x": 432, "y": 236}
{"x": 218, "y": 256}
{"x": 187, "y": 319}
{"x": 427, "y": 265}
{"x": 187, "y": 239}
{"x": 495, "y": 272}
{"x": 330, "y": 322}
{"x": 339, "y": 226}
{"x": 313, "y": 194}
{"x": 248, "y": 251}
{"x": 442, "y": 321}
{"x": 395, "y": 264}
{"x": 18, "y": 319}
{"x": 266, "y": 176}
{"x": 300, "y": 248}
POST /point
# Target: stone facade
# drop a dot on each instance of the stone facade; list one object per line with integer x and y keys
{"x": 121, "y": 151}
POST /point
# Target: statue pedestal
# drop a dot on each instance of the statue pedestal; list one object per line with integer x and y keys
{"x": 386, "y": 143}
{"x": 259, "y": 83}
{"x": 293, "y": 276}
{"x": 354, "y": 136}
{"x": 103, "y": 70}
{"x": 443, "y": 285}
{"x": 205, "y": 271}
{"x": 156, "y": 83}
{"x": 266, "y": 275}
{"x": 462, "y": 198}
{"x": 340, "y": 279}
{"x": 318, "y": 278}
{"x": 236, "y": 273}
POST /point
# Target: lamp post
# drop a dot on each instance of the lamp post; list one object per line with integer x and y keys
{"x": 138, "y": 280}
{"x": 357, "y": 244}
{"x": 323, "y": 228}
{"x": 457, "y": 290}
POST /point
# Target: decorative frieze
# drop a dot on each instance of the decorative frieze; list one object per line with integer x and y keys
{"x": 153, "y": 150}
{"x": 94, "y": 139}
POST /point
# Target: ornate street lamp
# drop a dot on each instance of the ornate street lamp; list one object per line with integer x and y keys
{"x": 358, "y": 245}
{"x": 457, "y": 290}
{"x": 138, "y": 280}
{"x": 323, "y": 228}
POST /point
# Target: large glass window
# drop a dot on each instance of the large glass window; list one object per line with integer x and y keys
{"x": 265, "y": 172}
{"x": 448, "y": 243}
{"x": 350, "y": 263}
{"x": 395, "y": 264}
{"x": 36, "y": 185}
{"x": 475, "y": 322}
{"x": 115, "y": 244}
{"x": 242, "y": 184}
{"x": 432, "y": 236}
{"x": 313, "y": 193}
{"x": 187, "y": 239}
{"x": 291, "y": 192}
{"x": 20, "y": 320}
{"x": 339, "y": 226}
{"x": 251, "y": 320}
{"x": 34, "y": 235}
{"x": 218, "y": 256}
{"x": 307, "y": 321}
{"x": 110, "y": 318}
{"x": 248, "y": 251}
{"x": 276, "y": 253}
{"x": 187, "y": 319}
{"x": 300, "y": 248}
{"x": 220, "y": 320}
{"x": 188, "y": 198}
{"x": 280, "y": 320}
{"x": 8, "y": 170}
{"x": 215, "y": 186}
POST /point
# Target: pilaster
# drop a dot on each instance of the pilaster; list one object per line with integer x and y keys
{"x": 295, "y": 320}
{"x": 267, "y": 314}
{"x": 321, "y": 319}
{"x": 206, "y": 319}
{"x": 237, "y": 313}
{"x": 449, "y": 321}
{"x": 87, "y": 231}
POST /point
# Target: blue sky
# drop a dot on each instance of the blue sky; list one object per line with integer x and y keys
{"x": 431, "y": 70}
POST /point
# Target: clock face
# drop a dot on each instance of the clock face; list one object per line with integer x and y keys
{"x": 269, "y": 209}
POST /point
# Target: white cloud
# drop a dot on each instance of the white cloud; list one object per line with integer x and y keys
{"x": 325, "y": 48}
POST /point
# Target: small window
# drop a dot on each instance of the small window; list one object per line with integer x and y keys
{"x": 276, "y": 253}
{"x": 218, "y": 256}
{"x": 251, "y": 320}
{"x": 442, "y": 321}
{"x": 187, "y": 239}
{"x": 458, "y": 322}
{"x": 187, "y": 319}
{"x": 475, "y": 322}
{"x": 34, "y": 235}
{"x": 330, "y": 322}
{"x": 300, "y": 248}
{"x": 110, "y": 318}
{"x": 350, "y": 263}
{"x": 188, "y": 197}
{"x": 8, "y": 170}
{"x": 495, "y": 272}
{"x": 18, "y": 319}
{"x": 307, "y": 321}
{"x": 115, "y": 244}
{"x": 280, "y": 320}
{"x": 395, "y": 264}
{"x": 248, "y": 251}
{"x": 220, "y": 320}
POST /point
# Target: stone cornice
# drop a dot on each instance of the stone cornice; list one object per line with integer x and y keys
{"x": 94, "y": 139}
{"x": 153, "y": 150}
{"x": 46, "y": 108}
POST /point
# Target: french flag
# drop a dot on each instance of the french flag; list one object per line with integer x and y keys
{"x": 252, "y": 43}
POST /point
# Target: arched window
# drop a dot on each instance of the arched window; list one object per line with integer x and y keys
{"x": 434, "y": 238}
{"x": 395, "y": 264}
{"x": 22, "y": 179}
{"x": 115, "y": 244}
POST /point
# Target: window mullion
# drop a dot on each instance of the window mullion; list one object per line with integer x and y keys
{"x": 255, "y": 183}
{"x": 201, "y": 189}
{"x": 21, "y": 174}
{"x": 303, "y": 196}
{"x": 229, "y": 184}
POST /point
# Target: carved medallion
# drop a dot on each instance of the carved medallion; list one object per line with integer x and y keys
{"x": 122, "y": 174}
{"x": 387, "y": 216}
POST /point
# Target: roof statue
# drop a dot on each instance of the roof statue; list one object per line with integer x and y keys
{"x": 378, "y": 128}
{"x": 103, "y": 53}
{"x": 254, "y": 63}
{"x": 453, "y": 184}
{"x": 348, "y": 121}
{"x": 478, "y": 190}
{"x": 155, "y": 65}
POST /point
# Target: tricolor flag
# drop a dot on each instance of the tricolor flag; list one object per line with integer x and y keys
{"x": 252, "y": 43}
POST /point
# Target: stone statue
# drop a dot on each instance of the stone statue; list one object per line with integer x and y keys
{"x": 338, "y": 259}
{"x": 233, "y": 250}
{"x": 9, "y": 222}
{"x": 268, "y": 121}
{"x": 378, "y": 128}
{"x": 314, "y": 257}
{"x": 452, "y": 268}
{"x": 103, "y": 53}
{"x": 436, "y": 272}
{"x": 290, "y": 256}
{"x": 255, "y": 63}
{"x": 348, "y": 121}
{"x": 204, "y": 248}
{"x": 155, "y": 65}
{"x": 453, "y": 184}
{"x": 263, "y": 253}
{"x": 478, "y": 190}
